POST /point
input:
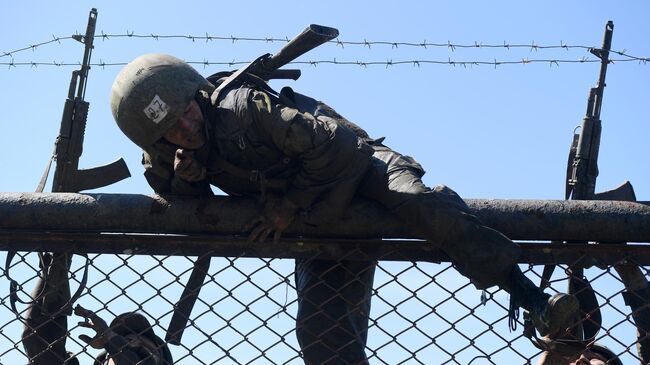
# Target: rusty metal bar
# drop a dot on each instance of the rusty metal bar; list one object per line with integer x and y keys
{"x": 531, "y": 220}
{"x": 351, "y": 249}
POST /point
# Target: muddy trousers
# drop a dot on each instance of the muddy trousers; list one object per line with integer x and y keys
{"x": 334, "y": 297}
{"x": 333, "y": 309}
{"x": 439, "y": 215}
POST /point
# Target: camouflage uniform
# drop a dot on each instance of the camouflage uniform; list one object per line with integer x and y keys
{"x": 303, "y": 150}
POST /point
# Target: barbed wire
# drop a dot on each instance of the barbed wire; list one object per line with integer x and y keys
{"x": 365, "y": 43}
{"x": 365, "y": 64}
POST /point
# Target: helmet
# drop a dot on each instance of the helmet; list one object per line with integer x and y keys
{"x": 151, "y": 93}
{"x": 133, "y": 323}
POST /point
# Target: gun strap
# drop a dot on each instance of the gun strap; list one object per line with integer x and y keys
{"x": 13, "y": 284}
{"x": 183, "y": 308}
{"x": 234, "y": 77}
{"x": 46, "y": 173}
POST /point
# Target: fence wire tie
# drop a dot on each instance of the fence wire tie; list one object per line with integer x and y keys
{"x": 533, "y": 46}
{"x": 564, "y": 45}
{"x": 154, "y": 36}
{"x": 207, "y": 37}
{"x": 104, "y": 36}
{"x": 451, "y": 46}
{"x": 339, "y": 43}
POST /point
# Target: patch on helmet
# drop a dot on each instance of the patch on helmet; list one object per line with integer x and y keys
{"x": 156, "y": 110}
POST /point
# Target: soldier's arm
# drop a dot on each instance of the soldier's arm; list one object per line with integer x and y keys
{"x": 329, "y": 155}
{"x": 159, "y": 172}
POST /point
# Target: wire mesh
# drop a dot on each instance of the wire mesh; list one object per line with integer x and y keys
{"x": 421, "y": 313}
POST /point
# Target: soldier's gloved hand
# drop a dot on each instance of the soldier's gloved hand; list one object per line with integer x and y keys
{"x": 187, "y": 167}
{"x": 276, "y": 218}
{"x": 91, "y": 320}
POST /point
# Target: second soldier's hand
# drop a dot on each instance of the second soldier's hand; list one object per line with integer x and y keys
{"x": 97, "y": 324}
{"x": 276, "y": 218}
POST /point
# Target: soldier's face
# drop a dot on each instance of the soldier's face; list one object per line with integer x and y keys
{"x": 590, "y": 358}
{"x": 189, "y": 130}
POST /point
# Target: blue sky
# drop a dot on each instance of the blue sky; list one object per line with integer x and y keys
{"x": 486, "y": 131}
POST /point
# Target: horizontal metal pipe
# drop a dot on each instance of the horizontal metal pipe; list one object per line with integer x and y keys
{"x": 349, "y": 249}
{"x": 602, "y": 221}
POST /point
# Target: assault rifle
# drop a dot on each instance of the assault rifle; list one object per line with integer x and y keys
{"x": 581, "y": 174}
{"x": 68, "y": 178}
{"x": 69, "y": 144}
{"x": 582, "y": 169}
{"x": 265, "y": 67}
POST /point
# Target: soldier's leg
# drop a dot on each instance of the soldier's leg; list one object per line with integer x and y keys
{"x": 46, "y": 328}
{"x": 637, "y": 297}
{"x": 333, "y": 308}
{"x": 482, "y": 254}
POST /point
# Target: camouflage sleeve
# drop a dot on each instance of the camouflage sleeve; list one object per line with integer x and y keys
{"x": 331, "y": 156}
{"x": 159, "y": 172}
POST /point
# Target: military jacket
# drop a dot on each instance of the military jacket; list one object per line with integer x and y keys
{"x": 258, "y": 144}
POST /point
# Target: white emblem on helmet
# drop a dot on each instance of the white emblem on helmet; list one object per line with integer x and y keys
{"x": 156, "y": 110}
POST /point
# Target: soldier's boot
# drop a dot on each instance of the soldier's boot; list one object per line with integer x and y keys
{"x": 552, "y": 315}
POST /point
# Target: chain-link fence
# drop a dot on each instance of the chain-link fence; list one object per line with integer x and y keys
{"x": 422, "y": 313}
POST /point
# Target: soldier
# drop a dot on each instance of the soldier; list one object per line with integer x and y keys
{"x": 569, "y": 353}
{"x": 246, "y": 139}
{"x": 129, "y": 339}
{"x": 581, "y": 350}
